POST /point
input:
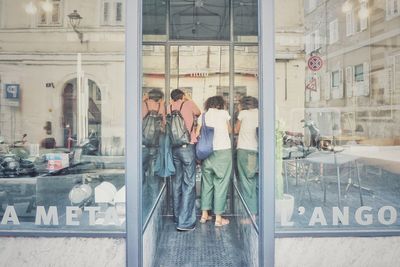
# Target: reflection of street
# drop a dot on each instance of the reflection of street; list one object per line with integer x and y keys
{"x": 380, "y": 192}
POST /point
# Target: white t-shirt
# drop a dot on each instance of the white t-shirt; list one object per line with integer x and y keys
{"x": 219, "y": 119}
{"x": 248, "y": 133}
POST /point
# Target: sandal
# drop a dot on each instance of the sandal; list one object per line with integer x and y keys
{"x": 204, "y": 220}
{"x": 222, "y": 222}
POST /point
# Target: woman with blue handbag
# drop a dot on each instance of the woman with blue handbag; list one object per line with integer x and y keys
{"x": 216, "y": 168}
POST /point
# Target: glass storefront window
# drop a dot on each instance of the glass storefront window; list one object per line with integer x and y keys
{"x": 62, "y": 129}
{"x": 154, "y": 20}
{"x": 199, "y": 20}
{"x": 338, "y": 135}
{"x": 153, "y": 93}
{"x": 246, "y": 125}
{"x": 245, "y": 20}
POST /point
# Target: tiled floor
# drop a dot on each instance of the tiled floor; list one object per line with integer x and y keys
{"x": 206, "y": 246}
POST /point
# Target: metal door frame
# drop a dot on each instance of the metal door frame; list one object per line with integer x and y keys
{"x": 133, "y": 82}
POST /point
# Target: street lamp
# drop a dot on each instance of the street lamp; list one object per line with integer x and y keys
{"x": 74, "y": 20}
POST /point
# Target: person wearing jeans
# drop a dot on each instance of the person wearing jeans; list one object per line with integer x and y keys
{"x": 184, "y": 181}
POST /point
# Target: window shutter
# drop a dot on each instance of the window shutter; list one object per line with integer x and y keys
{"x": 349, "y": 81}
{"x": 333, "y": 31}
{"x": 308, "y": 44}
{"x": 340, "y": 92}
{"x": 363, "y": 16}
{"x": 388, "y": 8}
{"x": 327, "y": 85}
{"x": 349, "y": 23}
{"x": 55, "y": 17}
{"x": 366, "y": 78}
{"x": 363, "y": 24}
{"x": 317, "y": 40}
{"x": 336, "y": 30}
{"x": 118, "y": 12}
{"x": 106, "y": 12}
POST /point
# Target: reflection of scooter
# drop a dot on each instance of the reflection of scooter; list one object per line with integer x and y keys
{"x": 15, "y": 161}
{"x": 294, "y": 145}
{"x": 292, "y": 139}
{"x": 89, "y": 146}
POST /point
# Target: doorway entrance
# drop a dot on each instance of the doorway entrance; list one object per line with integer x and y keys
{"x": 70, "y": 109}
{"x": 203, "y": 71}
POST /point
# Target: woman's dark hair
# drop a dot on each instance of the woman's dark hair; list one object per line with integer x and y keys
{"x": 248, "y": 102}
{"x": 155, "y": 94}
{"x": 177, "y": 94}
{"x": 217, "y": 102}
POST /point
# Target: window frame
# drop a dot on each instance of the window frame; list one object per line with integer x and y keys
{"x": 350, "y": 22}
{"x": 333, "y": 76}
{"x": 334, "y": 31}
{"x": 49, "y": 16}
{"x": 390, "y": 9}
{"x": 357, "y": 75}
{"x": 112, "y": 13}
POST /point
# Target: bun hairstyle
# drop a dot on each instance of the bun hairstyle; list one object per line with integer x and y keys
{"x": 155, "y": 94}
{"x": 248, "y": 102}
{"x": 217, "y": 102}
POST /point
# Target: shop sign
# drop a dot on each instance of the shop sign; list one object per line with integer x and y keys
{"x": 364, "y": 216}
{"x": 73, "y": 216}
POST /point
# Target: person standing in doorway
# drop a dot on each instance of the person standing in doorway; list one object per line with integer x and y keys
{"x": 153, "y": 109}
{"x": 184, "y": 182}
{"x": 217, "y": 168}
{"x": 247, "y": 151}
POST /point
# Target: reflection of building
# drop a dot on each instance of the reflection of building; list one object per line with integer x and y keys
{"x": 46, "y": 70}
{"x": 358, "y": 43}
{"x": 289, "y": 67}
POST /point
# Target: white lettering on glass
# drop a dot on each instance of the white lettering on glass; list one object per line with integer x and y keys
{"x": 46, "y": 218}
{"x": 392, "y": 217}
{"x": 72, "y": 213}
{"x": 111, "y": 217}
{"x": 363, "y": 219}
{"x": 92, "y": 214}
{"x": 339, "y": 216}
{"x": 318, "y": 217}
{"x": 10, "y": 216}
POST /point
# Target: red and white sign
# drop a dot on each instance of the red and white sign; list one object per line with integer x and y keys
{"x": 312, "y": 84}
{"x": 315, "y": 63}
{"x": 57, "y": 161}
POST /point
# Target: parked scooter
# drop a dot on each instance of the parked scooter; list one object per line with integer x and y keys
{"x": 90, "y": 146}
{"x": 295, "y": 145}
{"x": 15, "y": 162}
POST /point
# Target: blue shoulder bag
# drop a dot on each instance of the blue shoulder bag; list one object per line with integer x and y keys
{"x": 204, "y": 146}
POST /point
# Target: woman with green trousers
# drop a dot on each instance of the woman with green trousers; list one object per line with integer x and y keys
{"x": 217, "y": 168}
{"x": 247, "y": 151}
